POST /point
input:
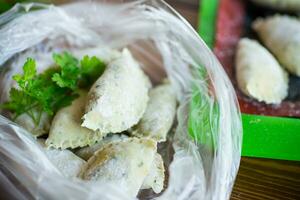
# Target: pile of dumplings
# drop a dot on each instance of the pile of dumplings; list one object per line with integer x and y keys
{"x": 262, "y": 73}
{"x": 110, "y": 133}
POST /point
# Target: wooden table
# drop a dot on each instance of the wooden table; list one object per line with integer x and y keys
{"x": 257, "y": 178}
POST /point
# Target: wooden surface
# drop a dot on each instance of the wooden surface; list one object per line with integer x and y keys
{"x": 267, "y": 179}
{"x": 258, "y": 179}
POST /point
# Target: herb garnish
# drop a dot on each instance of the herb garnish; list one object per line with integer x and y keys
{"x": 53, "y": 89}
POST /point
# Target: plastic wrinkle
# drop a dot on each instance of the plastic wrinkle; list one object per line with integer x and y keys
{"x": 163, "y": 43}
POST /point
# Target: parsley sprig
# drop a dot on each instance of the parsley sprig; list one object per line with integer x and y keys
{"x": 53, "y": 89}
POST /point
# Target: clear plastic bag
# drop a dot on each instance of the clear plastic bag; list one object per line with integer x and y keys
{"x": 208, "y": 136}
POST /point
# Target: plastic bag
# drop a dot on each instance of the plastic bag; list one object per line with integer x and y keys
{"x": 207, "y": 140}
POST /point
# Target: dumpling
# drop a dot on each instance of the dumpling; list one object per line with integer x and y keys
{"x": 67, "y": 163}
{"x": 286, "y": 5}
{"x": 258, "y": 73}
{"x": 66, "y": 132}
{"x": 87, "y": 152}
{"x": 118, "y": 99}
{"x": 159, "y": 116}
{"x": 281, "y": 34}
{"x": 125, "y": 163}
{"x": 27, "y": 123}
{"x": 156, "y": 177}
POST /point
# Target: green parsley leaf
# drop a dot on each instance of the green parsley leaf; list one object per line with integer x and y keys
{"x": 29, "y": 69}
{"x": 91, "y": 69}
{"x": 70, "y": 72}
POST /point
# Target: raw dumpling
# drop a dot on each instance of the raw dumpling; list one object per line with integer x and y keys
{"x": 281, "y": 34}
{"x": 118, "y": 99}
{"x": 258, "y": 73}
{"x": 66, "y": 132}
{"x": 156, "y": 177}
{"x": 125, "y": 163}
{"x": 36, "y": 130}
{"x": 86, "y": 152}
{"x": 64, "y": 160}
{"x": 287, "y": 5}
{"x": 159, "y": 116}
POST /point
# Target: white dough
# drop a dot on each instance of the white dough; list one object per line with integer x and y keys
{"x": 159, "y": 116}
{"x": 66, "y": 132}
{"x": 258, "y": 73}
{"x": 155, "y": 178}
{"x": 281, "y": 34}
{"x": 118, "y": 99}
{"x": 125, "y": 163}
{"x": 86, "y": 152}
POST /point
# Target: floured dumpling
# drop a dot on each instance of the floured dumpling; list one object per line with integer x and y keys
{"x": 159, "y": 116}
{"x": 281, "y": 34}
{"x": 66, "y": 162}
{"x": 125, "y": 163}
{"x": 258, "y": 73}
{"x": 66, "y": 132}
{"x": 118, "y": 99}
{"x": 86, "y": 152}
{"x": 156, "y": 177}
{"x": 27, "y": 123}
